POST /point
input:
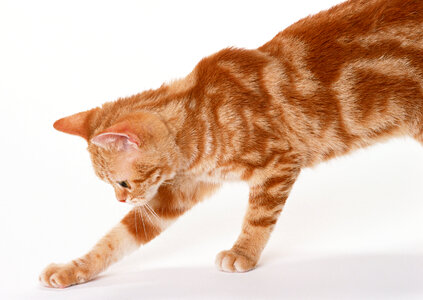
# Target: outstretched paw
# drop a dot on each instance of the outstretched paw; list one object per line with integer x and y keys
{"x": 63, "y": 275}
{"x": 232, "y": 261}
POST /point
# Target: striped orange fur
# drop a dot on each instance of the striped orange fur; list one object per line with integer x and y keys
{"x": 333, "y": 82}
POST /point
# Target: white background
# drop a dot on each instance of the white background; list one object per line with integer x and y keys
{"x": 352, "y": 228}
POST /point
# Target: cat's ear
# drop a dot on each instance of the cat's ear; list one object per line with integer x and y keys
{"x": 120, "y": 136}
{"x": 134, "y": 131}
{"x": 77, "y": 124}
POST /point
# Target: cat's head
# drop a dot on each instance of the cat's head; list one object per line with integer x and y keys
{"x": 135, "y": 153}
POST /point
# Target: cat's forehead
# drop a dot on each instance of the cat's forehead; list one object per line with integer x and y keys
{"x": 115, "y": 165}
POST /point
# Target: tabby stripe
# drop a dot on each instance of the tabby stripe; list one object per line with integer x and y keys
{"x": 262, "y": 222}
{"x": 139, "y": 225}
{"x": 268, "y": 201}
{"x": 147, "y": 175}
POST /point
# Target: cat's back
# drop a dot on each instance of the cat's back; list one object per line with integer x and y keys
{"x": 357, "y": 17}
{"x": 355, "y": 73}
{"x": 331, "y": 34}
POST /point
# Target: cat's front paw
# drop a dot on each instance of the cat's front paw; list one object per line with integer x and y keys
{"x": 232, "y": 261}
{"x": 64, "y": 275}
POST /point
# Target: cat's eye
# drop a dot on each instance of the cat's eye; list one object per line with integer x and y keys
{"x": 124, "y": 184}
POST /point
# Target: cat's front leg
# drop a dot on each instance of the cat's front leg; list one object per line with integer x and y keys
{"x": 113, "y": 246}
{"x": 138, "y": 227}
{"x": 266, "y": 201}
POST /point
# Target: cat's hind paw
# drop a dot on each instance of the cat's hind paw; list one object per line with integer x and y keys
{"x": 63, "y": 275}
{"x": 232, "y": 261}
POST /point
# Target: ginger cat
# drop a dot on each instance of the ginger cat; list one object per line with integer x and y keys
{"x": 331, "y": 83}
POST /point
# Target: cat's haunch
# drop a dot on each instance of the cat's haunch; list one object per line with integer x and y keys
{"x": 333, "y": 82}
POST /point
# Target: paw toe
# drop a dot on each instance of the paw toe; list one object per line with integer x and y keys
{"x": 230, "y": 261}
{"x": 61, "y": 276}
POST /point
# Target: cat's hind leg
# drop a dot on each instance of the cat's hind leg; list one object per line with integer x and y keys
{"x": 419, "y": 135}
{"x": 416, "y": 128}
{"x": 267, "y": 198}
{"x": 420, "y": 139}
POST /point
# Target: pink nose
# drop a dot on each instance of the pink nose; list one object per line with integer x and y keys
{"x": 122, "y": 200}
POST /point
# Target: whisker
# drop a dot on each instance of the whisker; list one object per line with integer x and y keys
{"x": 142, "y": 219}
{"x": 136, "y": 221}
{"x": 153, "y": 212}
{"x": 151, "y": 221}
{"x": 156, "y": 226}
{"x": 167, "y": 183}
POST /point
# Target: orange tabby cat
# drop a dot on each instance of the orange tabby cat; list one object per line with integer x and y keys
{"x": 342, "y": 79}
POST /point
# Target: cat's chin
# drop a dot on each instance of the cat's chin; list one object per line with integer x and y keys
{"x": 138, "y": 202}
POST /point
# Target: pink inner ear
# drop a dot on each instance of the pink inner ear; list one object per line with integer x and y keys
{"x": 121, "y": 141}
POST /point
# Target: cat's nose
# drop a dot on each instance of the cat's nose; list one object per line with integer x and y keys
{"x": 122, "y": 200}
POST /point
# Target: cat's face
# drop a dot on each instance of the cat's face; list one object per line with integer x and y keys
{"x": 134, "y": 172}
{"x": 135, "y": 154}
